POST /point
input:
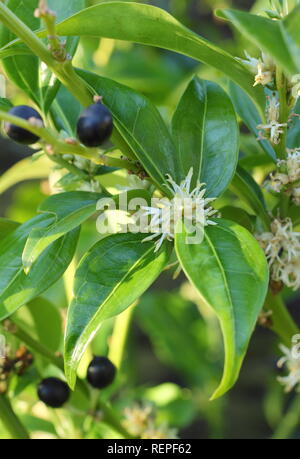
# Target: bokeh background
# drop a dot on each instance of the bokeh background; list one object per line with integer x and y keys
{"x": 174, "y": 354}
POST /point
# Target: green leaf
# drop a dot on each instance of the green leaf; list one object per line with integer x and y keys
{"x": 110, "y": 277}
{"x": 7, "y": 226}
{"x": 152, "y": 26}
{"x": 290, "y": 31}
{"x": 277, "y": 38}
{"x": 17, "y": 288}
{"x": 206, "y": 133}
{"x": 239, "y": 216}
{"x": 140, "y": 125}
{"x": 46, "y": 315}
{"x": 5, "y": 104}
{"x": 69, "y": 209}
{"x": 250, "y": 115}
{"x": 65, "y": 111}
{"x": 230, "y": 272}
{"x": 26, "y": 169}
{"x": 245, "y": 187}
{"x": 40, "y": 316}
{"x": 23, "y": 70}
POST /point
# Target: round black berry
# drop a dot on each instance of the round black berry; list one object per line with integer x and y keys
{"x": 95, "y": 125}
{"x": 17, "y": 133}
{"x": 53, "y": 392}
{"x": 101, "y": 372}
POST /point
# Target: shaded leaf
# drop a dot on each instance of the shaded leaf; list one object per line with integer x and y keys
{"x": 230, "y": 272}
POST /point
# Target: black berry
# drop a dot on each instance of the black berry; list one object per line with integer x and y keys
{"x": 17, "y": 133}
{"x": 101, "y": 372}
{"x": 53, "y": 392}
{"x": 95, "y": 125}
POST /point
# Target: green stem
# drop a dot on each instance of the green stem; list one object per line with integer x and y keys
{"x": 69, "y": 166}
{"x": 17, "y": 330}
{"x": 281, "y": 83}
{"x": 11, "y": 421}
{"x": 63, "y": 70}
{"x": 281, "y": 321}
{"x": 61, "y": 148}
{"x": 284, "y": 205}
{"x": 50, "y": 138}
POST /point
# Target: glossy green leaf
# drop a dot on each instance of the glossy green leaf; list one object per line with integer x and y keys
{"x": 273, "y": 37}
{"x": 110, "y": 277}
{"x": 152, "y": 26}
{"x": 206, "y": 134}
{"x": 230, "y": 272}
{"x": 69, "y": 209}
{"x": 141, "y": 126}
{"x": 250, "y": 115}
{"x": 238, "y": 215}
{"x": 65, "y": 111}
{"x": 245, "y": 187}
{"x": 26, "y": 169}
{"x": 6, "y": 227}
{"x": 23, "y": 70}
{"x": 17, "y": 288}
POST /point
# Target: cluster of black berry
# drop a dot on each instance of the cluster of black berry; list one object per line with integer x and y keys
{"x": 54, "y": 392}
{"x": 94, "y": 126}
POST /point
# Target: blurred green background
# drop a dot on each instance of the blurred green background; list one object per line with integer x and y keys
{"x": 174, "y": 354}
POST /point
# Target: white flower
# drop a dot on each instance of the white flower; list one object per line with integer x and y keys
{"x": 273, "y": 127}
{"x": 263, "y": 68}
{"x": 187, "y": 204}
{"x": 291, "y": 174}
{"x": 296, "y": 196}
{"x": 138, "y": 418}
{"x": 92, "y": 186}
{"x": 134, "y": 183}
{"x": 282, "y": 249}
{"x": 140, "y": 421}
{"x": 295, "y": 83}
{"x": 162, "y": 432}
{"x": 292, "y": 363}
{"x": 293, "y": 164}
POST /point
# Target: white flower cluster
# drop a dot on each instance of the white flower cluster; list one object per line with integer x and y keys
{"x": 263, "y": 68}
{"x": 140, "y": 422}
{"x": 295, "y": 86}
{"x": 282, "y": 249}
{"x": 187, "y": 204}
{"x": 292, "y": 363}
{"x": 288, "y": 172}
{"x": 272, "y": 128}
